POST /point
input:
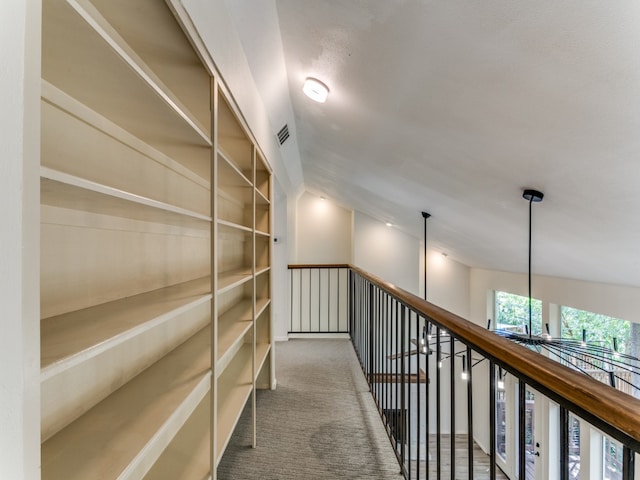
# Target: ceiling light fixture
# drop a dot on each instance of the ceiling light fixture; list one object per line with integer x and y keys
{"x": 315, "y": 90}
{"x": 388, "y": 224}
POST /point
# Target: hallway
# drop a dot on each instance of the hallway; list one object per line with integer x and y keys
{"x": 320, "y": 422}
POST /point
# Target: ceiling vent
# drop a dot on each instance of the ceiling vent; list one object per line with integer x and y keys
{"x": 283, "y": 134}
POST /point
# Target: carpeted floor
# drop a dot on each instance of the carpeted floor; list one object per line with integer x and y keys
{"x": 320, "y": 423}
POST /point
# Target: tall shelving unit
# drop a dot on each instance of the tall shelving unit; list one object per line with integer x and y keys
{"x": 155, "y": 248}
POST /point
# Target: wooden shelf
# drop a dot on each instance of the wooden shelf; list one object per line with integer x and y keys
{"x": 234, "y": 195}
{"x": 81, "y": 142}
{"x": 232, "y": 279}
{"x": 230, "y": 175}
{"x": 236, "y": 226}
{"x": 85, "y": 56}
{"x": 261, "y": 304}
{"x": 94, "y": 351}
{"x": 126, "y": 197}
{"x": 188, "y": 454}
{"x": 261, "y": 199}
{"x": 68, "y": 191}
{"x": 262, "y": 352}
{"x": 234, "y": 387}
{"x": 261, "y": 270}
{"x": 232, "y": 139}
{"x": 72, "y": 338}
{"x": 263, "y": 180}
{"x": 162, "y": 49}
{"x": 232, "y": 327}
{"x": 125, "y": 433}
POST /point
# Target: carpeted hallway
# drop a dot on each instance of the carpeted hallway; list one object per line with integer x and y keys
{"x": 320, "y": 422}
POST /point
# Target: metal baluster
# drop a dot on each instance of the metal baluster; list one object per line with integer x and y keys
{"x": 452, "y": 380}
{"x": 439, "y": 406}
{"x": 492, "y": 420}
{"x": 564, "y": 444}
{"x": 470, "y": 412}
{"x": 522, "y": 459}
{"x": 628, "y": 463}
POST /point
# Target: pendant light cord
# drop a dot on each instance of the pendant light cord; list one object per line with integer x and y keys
{"x": 425, "y": 215}
{"x": 530, "y": 314}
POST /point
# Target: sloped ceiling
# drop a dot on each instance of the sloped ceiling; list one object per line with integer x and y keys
{"x": 455, "y": 107}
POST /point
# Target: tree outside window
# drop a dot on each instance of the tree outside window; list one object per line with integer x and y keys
{"x": 512, "y": 312}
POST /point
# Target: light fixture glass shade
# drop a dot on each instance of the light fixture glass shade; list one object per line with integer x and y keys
{"x": 315, "y": 90}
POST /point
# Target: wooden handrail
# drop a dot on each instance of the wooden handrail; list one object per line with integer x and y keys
{"x": 596, "y": 402}
{"x": 318, "y": 265}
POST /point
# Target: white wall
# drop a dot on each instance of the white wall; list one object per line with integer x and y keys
{"x": 448, "y": 283}
{"x": 386, "y": 252}
{"x": 19, "y": 239}
{"x": 215, "y": 26}
{"x": 323, "y": 231}
{"x": 280, "y": 273}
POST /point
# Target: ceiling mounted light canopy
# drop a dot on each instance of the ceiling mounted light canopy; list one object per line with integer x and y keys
{"x": 315, "y": 90}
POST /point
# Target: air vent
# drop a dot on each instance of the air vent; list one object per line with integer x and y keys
{"x": 283, "y": 134}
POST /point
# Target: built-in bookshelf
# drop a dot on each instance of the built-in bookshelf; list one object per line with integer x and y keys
{"x": 155, "y": 247}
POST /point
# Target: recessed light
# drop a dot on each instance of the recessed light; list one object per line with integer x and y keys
{"x": 315, "y": 90}
{"x": 388, "y": 224}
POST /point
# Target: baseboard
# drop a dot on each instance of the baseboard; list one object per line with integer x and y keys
{"x": 318, "y": 336}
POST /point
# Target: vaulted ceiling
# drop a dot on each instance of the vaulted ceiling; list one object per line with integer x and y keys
{"x": 454, "y": 107}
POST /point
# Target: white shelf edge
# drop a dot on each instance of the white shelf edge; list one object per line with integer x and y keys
{"x": 78, "y": 358}
{"x": 261, "y": 270}
{"x": 261, "y": 305}
{"x": 262, "y": 234}
{"x": 223, "y": 362}
{"x": 100, "y": 26}
{"x": 244, "y": 273}
{"x": 263, "y": 349}
{"x": 260, "y": 194}
{"x": 150, "y": 453}
{"x": 51, "y": 174}
{"x": 227, "y": 158}
{"x": 225, "y": 444}
{"x": 237, "y": 226}
{"x": 60, "y": 99}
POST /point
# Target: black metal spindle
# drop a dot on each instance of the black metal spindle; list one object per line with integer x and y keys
{"x": 452, "y": 385}
{"x": 628, "y": 463}
{"x": 420, "y": 346}
{"x": 402, "y": 385}
{"x": 492, "y": 420}
{"x": 564, "y": 444}
{"x": 438, "y": 405}
{"x": 522, "y": 458}
{"x": 470, "y": 413}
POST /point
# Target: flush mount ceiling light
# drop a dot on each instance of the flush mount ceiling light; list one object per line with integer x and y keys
{"x": 315, "y": 90}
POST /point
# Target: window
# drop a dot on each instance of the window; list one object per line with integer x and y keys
{"x": 574, "y": 447}
{"x": 512, "y": 312}
{"x": 597, "y": 328}
{"x": 612, "y": 460}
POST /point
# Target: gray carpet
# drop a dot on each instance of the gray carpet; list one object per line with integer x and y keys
{"x": 320, "y": 423}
